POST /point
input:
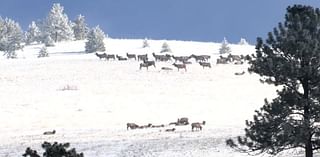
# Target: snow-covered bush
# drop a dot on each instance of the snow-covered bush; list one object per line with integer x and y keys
{"x": 165, "y": 48}
{"x": 243, "y": 42}
{"x": 145, "y": 43}
{"x": 224, "y": 47}
{"x": 43, "y": 52}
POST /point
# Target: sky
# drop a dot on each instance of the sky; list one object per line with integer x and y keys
{"x": 188, "y": 20}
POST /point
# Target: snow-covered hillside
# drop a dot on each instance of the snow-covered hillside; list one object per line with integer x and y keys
{"x": 89, "y": 101}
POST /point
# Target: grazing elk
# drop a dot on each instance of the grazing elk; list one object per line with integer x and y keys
{"x": 180, "y": 66}
{"x": 222, "y": 60}
{"x": 150, "y": 62}
{"x": 197, "y": 125}
{"x": 170, "y": 130}
{"x": 145, "y": 126}
{"x": 166, "y": 68}
{"x": 146, "y": 65}
{"x": 143, "y": 57}
{"x": 205, "y": 64}
{"x": 131, "y": 56}
{"x": 162, "y": 58}
{"x": 111, "y": 56}
{"x": 181, "y": 58}
{"x": 200, "y": 58}
{"x": 49, "y": 132}
{"x": 132, "y": 126}
{"x": 239, "y": 73}
{"x": 233, "y": 58}
{"x": 103, "y": 55}
{"x": 120, "y": 58}
{"x": 157, "y": 126}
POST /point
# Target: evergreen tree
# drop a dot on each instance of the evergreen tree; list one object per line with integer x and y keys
{"x": 95, "y": 39}
{"x": 43, "y": 52}
{"x": 80, "y": 28}
{"x": 165, "y": 48}
{"x": 145, "y": 43}
{"x": 57, "y": 24}
{"x": 11, "y": 37}
{"x": 224, "y": 47}
{"x": 54, "y": 150}
{"x": 33, "y": 34}
{"x": 47, "y": 40}
{"x": 289, "y": 57}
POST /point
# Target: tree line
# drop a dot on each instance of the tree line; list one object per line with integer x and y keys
{"x": 54, "y": 28}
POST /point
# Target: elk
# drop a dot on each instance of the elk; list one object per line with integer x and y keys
{"x": 104, "y": 55}
{"x": 120, "y": 58}
{"x": 131, "y": 56}
{"x": 132, "y": 126}
{"x": 197, "y": 125}
{"x": 110, "y": 56}
{"x": 149, "y": 63}
{"x": 205, "y": 64}
{"x": 180, "y": 66}
{"x": 239, "y": 73}
{"x": 143, "y": 57}
{"x": 170, "y": 130}
{"x": 49, "y": 132}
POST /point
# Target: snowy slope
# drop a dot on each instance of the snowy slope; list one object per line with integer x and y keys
{"x": 105, "y": 95}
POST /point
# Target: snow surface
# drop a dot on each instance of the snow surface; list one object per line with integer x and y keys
{"x": 89, "y": 101}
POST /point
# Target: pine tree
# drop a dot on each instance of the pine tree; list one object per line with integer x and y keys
{"x": 47, "y": 40}
{"x": 289, "y": 57}
{"x": 57, "y": 24}
{"x": 165, "y": 48}
{"x": 80, "y": 28}
{"x": 95, "y": 39}
{"x": 224, "y": 47}
{"x": 54, "y": 150}
{"x": 33, "y": 34}
{"x": 145, "y": 43}
{"x": 43, "y": 52}
{"x": 11, "y": 37}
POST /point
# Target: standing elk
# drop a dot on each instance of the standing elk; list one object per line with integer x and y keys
{"x": 197, "y": 125}
{"x": 143, "y": 57}
{"x": 205, "y": 64}
{"x": 180, "y": 66}
{"x": 110, "y": 56}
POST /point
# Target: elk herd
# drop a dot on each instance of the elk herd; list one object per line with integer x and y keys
{"x": 178, "y": 62}
{"x": 196, "y": 126}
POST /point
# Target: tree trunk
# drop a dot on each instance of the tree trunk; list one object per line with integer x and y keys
{"x": 309, "y": 152}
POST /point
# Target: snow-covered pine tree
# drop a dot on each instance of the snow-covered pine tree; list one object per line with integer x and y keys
{"x": 80, "y": 28}
{"x": 145, "y": 43}
{"x": 11, "y": 37}
{"x": 243, "y": 41}
{"x": 47, "y": 40}
{"x": 57, "y": 24}
{"x": 33, "y": 34}
{"x": 95, "y": 39}
{"x": 43, "y": 52}
{"x": 224, "y": 47}
{"x": 165, "y": 48}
